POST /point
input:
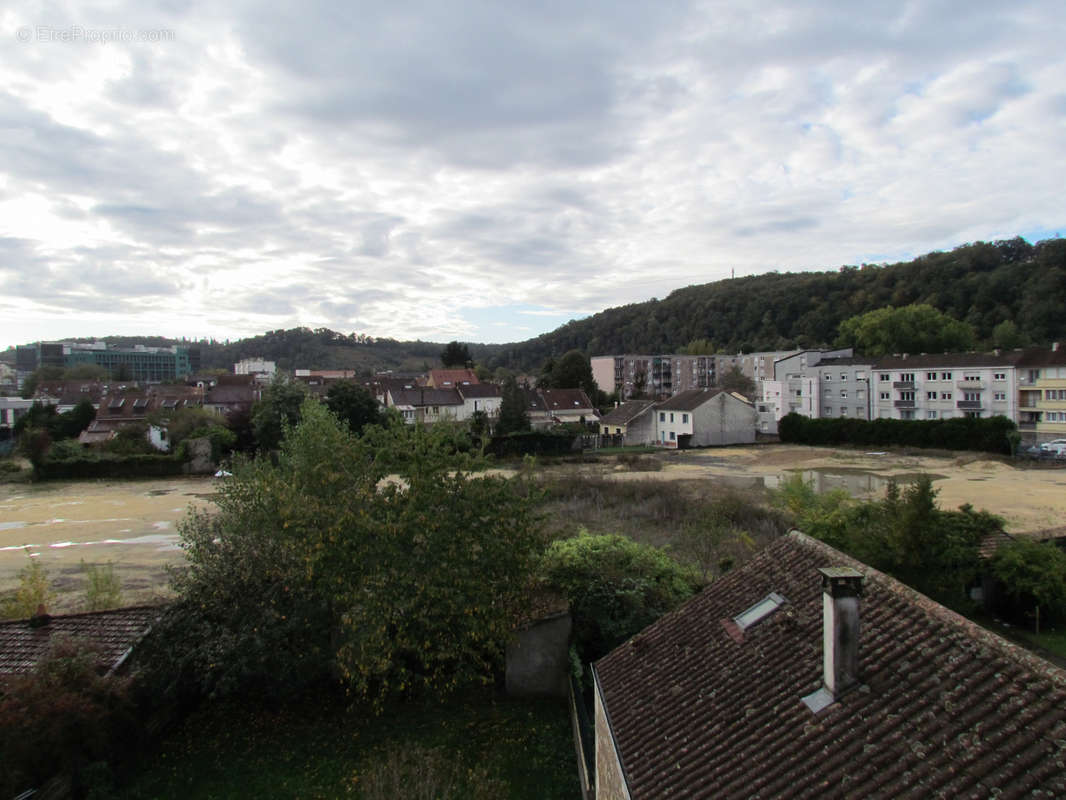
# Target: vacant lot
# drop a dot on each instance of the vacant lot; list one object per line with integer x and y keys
{"x": 133, "y": 523}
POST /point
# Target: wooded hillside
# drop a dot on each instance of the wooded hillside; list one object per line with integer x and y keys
{"x": 981, "y": 283}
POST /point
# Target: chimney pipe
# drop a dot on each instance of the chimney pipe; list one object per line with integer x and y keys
{"x": 841, "y": 589}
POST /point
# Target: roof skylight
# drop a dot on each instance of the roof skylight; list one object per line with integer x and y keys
{"x": 764, "y": 608}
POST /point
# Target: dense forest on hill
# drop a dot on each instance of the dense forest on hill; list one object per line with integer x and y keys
{"x": 981, "y": 283}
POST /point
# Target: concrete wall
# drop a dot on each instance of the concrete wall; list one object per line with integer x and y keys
{"x": 538, "y": 659}
{"x": 724, "y": 420}
{"x": 642, "y": 429}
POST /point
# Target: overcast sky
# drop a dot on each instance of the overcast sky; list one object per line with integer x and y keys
{"x": 485, "y": 171}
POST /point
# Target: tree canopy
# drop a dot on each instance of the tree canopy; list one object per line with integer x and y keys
{"x": 910, "y": 329}
{"x": 353, "y": 405}
{"x": 513, "y": 417}
{"x": 455, "y": 354}
{"x": 317, "y": 566}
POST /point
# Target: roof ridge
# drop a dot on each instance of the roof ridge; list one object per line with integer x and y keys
{"x": 78, "y": 614}
{"x": 940, "y": 612}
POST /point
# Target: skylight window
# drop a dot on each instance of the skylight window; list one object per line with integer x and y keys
{"x": 764, "y": 608}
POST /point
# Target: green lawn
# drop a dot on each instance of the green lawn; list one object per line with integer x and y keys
{"x": 316, "y": 749}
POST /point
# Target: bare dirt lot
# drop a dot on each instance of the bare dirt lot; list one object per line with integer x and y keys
{"x": 134, "y": 523}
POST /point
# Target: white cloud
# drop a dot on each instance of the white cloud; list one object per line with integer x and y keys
{"x": 388, "y": 168}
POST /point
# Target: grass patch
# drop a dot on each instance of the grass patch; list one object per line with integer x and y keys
{"x": 473, "y": 744}
{"x": 1054, "y": 641}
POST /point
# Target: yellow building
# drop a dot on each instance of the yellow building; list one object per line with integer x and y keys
{"x": 1042, "y": 394}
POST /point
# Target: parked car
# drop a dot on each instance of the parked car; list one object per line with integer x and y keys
{"x": 1054, "y": 446}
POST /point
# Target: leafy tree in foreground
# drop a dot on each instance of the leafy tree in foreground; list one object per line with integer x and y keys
{"x": 909, "y": 329}
{"x": 318, "y": 567}
{"x": 1033, "y": 572}
{"x": 616, "y": 587}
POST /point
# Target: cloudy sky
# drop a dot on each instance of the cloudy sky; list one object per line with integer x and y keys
{"x": 488, "y": 170}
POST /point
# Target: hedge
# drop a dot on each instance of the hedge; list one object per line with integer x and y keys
{"x": 110, "y": 465}
{"x": 531, "y": 443}
{"x": 987, "y": 434}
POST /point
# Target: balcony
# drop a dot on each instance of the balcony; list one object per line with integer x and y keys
{"x": 1027, "y": 426}
{"x": 969, "y": 405}
{"x": 902, "y": 384}
{"x": 971, "y": 385}
{"x": 904, "y": 404}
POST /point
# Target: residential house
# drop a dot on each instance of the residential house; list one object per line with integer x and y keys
{"x": 66, "y": 394}
{"x": 1042, "y": 394}
{"x": 702, "y": 417}
{"x": 484, "y": 398}
{"x": 11, "y": 408}
{"x": 424, "y": 404}
{"x": 946, "y": 385}
{"x": 120, "y": 408}
{"x": 263, "y": 370}
{"x": 547, "y": 407}
{"x": 232, "y": 394}
{"x": 807, "y": 674}
{"x": 618, "y": 420}
{"x": 451, "y": 378}
{"x": 820, "y": 383}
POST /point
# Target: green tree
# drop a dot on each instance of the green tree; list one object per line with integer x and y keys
{"x": 279, "y": 406}
{"x": 317, "y": 566}
{"x": 354, "y": 405}
{"x": 1033, "y": 573}
{"x": 455, "y": 354}
{"x": 700, "y": 347}
{"x": 103, "y": 589}
{"x": 33, "y": 592}
{"x": 38, "y": 376}
{"x": 1007, "y": 336}
{"x": 734, "y": 380}
{"x": 572, "y": 371}
{"x": 513, "y": 417}
{"x": 616, "y": 587}
{"x": 906, "y": 329}
{"x": 90, "y": 372}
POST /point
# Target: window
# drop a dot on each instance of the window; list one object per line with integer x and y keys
{"x": 907, "y": 377}
{"x": 673, "y": 436}
{"x": 930, "y": 376}
{"x": 884, "y": 396}
{"x": 971, "y": 378}
{"x": 860, "y": 375}
{"x": 828, "y": 377}
{"x": 945, "y": 376}
{"x": 671, "y": 416}
{"x": 906, "y": 396}
{"x": 662, "y": 416}
{"x": 884, "y": 376}
{"x": 844, "y": 394}
{"x": 930, "y": 395}
{"x": 972, "y": 397}
{"x": 843, "y": 376}
{"x": 945, "y": 395}
{"x": 999, "y": 396}
{"x": 768, "y": 605}
{"x": 907, "y": 413}
{"x": 617, "y": 430}
{"x": 843, "y": 411}
{"x": 828, "y": 411}
{"x": 684, "y": 419}
{"x": 932, "y": 415}
{"x": 999, "y": 376}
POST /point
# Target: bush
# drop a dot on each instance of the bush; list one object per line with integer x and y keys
{"x": 111, "y": 465}
{"x": 33, "y": 592}
{"x": 103, "y": 589}
{"x": 421, "y": 773}
{"x": 1034, "y": 575}
{"x": 616, "y": 587}
{"x": 65, "y": 719}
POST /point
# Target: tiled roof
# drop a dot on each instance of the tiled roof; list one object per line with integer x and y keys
{"x": 1043, "y": 358}
{"x": 944, "y": 707}
{"x": 447, "y": 378}
{"x": 425, "y": 396}
{"x": 688, "y": 400}
{"x": 949, "y": 360}
{"x": 626, "y": 412}
{"x": 565, "y": 399}
{"x": 479, "y": 390}
{"x": 22, "y": 644}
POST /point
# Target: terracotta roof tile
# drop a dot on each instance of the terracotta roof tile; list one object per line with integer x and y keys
{"x": 22, "y": 644}
{"x": 945, "y": 708}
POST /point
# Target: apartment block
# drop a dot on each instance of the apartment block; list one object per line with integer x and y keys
{"x": 946, "y": 385}
{"x": 1042, "y": 394}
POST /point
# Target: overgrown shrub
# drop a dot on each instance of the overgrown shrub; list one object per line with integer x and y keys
{"x": 33, "y": 592}
{"x": 422, "y": 773}
{"x": 64, "y": 719}
{"x": 103, "y": 589}
{"x": 1033, "y": 574}
{"x": 615, "y": 586}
